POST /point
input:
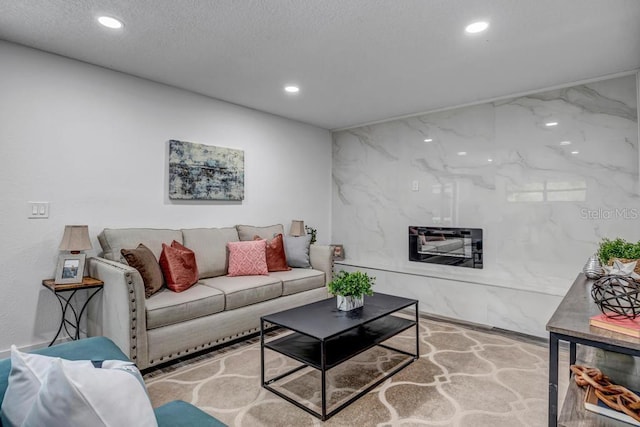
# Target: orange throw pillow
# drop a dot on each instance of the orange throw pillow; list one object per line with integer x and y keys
{"x": 178, "y": 266}
{"x": 276, "y": 257}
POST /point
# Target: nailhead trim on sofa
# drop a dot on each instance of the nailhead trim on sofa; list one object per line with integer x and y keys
{"x": 165, "y": 359}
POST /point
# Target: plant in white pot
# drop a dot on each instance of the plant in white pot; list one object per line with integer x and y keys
{"x": 350, "y": 289}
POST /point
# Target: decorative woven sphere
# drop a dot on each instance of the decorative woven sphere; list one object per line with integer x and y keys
{"x": 617, "y": 296}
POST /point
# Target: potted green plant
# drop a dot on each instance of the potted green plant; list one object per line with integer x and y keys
{"x": 350, "y": 289}
{"x": 311, "y": 231}
{"x": 618, "y": 248}
{"x": 621, "y": 249}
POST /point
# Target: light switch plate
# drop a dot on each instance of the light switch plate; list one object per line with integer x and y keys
{"x": 38, "y": 210}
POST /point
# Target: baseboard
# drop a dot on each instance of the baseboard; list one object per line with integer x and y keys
{"x": 485, "y": 328}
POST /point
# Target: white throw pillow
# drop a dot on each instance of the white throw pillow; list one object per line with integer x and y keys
{"x": 78, "y": 396}
{"x": 28, "y": 372}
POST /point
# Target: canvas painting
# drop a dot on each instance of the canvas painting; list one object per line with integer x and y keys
{"x": 205, "y": 172}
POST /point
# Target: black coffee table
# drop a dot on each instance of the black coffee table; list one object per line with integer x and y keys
{"x": 324, "y": 337}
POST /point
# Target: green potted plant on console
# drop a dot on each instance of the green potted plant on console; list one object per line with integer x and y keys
{"x": 350, "y": 289}
{"x": 620, "y": 249}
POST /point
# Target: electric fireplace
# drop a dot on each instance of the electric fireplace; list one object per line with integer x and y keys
{"x": 460, "y": 247}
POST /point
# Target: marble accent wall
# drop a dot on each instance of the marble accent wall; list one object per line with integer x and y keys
{"x": 544, "y": 194}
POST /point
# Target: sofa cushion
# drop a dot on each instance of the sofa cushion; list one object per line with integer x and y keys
{"x": 143, "y": 260}
{"x": 241, "y": 291}
{"x": 248, "y": 232}
{"x": 112, "y": 240}
{"x": 167, "y": 307}
{"x": 95, "y": 348}
{"x": 210, "y": 246}
{"x": 179, "y": 266}
{"x": 297, "y": 250}
{"x": 29, "y": 388}
{"x": 83, "y": 395}
{"x": 28, "y": 373}
{"x": 299, "y": 280}
{"x": 248, "y": 258}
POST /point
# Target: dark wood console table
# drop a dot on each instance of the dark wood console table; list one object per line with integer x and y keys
{"x": 570, "y": 323}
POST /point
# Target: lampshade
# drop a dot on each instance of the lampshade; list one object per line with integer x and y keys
{"x": 297, "y": 228}
{"x": 75, "y": 238}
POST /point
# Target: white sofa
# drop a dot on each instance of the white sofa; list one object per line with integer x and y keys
{"x": 217, "y": 309}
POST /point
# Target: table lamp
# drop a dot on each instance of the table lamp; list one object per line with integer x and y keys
{"x": 297, "y": 228}
{"x": 75, "y": 239}
{"x": 71, "y": 266}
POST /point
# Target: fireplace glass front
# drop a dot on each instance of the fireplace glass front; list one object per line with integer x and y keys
{"x": 460, "y": 247}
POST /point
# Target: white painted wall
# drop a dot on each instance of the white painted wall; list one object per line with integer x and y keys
{"x": 93, "y": 142}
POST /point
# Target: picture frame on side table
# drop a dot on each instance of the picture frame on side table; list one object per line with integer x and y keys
{"x": 338, "y": 252}
{"x": 70, "y": 269}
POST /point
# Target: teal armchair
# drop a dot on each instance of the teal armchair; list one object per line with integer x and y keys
{"x": 173, "y": 414}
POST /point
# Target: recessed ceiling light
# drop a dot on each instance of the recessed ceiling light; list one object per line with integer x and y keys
{"x": 428, "y": 140}
{"x": 549, "y": 124}
{"x": 565, "y": 142}
{"x": 462, "y": 153}
{"x": 110, "y": 22}
{"x": 291, "y": 89}
{"x": 489, "y": 160}
{"x": 575, "y": 152}
{"x": 476, "y": 27}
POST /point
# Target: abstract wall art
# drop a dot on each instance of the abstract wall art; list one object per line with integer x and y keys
{"x": 205, "y": 172}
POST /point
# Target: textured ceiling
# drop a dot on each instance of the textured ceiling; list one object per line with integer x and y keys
{"x": 356, "y": 61}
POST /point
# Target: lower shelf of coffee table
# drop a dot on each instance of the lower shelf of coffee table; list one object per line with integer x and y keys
{"x": 342, "y": 347}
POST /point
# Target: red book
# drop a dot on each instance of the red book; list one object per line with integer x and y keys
{"x": 624, "y": 326}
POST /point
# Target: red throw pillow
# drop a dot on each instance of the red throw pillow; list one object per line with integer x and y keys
{"x": 178, "y": 266}
{"x": 247, "y": 258}
{"x": 276, "y": 258}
